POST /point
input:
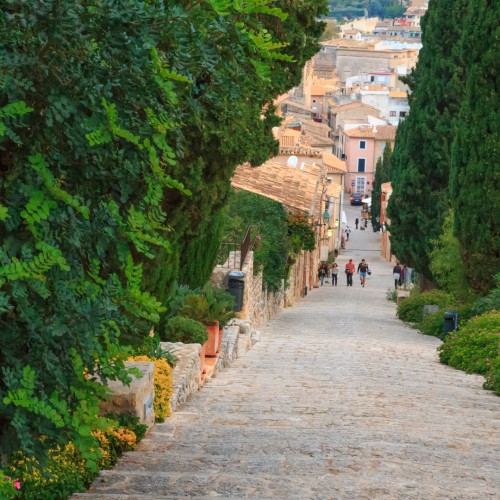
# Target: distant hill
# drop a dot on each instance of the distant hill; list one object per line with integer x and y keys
{"x": 351, "y": 9}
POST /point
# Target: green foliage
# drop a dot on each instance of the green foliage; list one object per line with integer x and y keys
{"x": 352, "y": 9}
{"x": 432, "y": 323}
{"x": 8, "y": 488}
{"x": 411, "y": 309}
{"x": 491, "y": 301}
{"x": 391, "y": 295}
{"x": 118, "y": 138}
{"x": 421, "y": 160}
{"x": 185, "y": 330}
{"x": 301, "y": 232}
{"x": 474, "y": 346}
{"x": 446, "y": 263}
{"x": 271, "y": 219}
{"x": 475, "y": 176}
{"x": 220, "y": 304}
{"x": 382, "y": 174}
{"x": 196, "y": 307}
{"x": 492, "y": 381}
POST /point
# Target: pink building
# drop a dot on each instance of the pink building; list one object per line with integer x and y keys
{"x": 359, "y": 158}
{"x": 362, "y": 147}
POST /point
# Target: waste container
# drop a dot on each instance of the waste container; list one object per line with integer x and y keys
{"x": 235, "y": 287}
{"x": 450, "y": 322}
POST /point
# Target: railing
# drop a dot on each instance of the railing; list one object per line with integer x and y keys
{"x": 233, "y": 254}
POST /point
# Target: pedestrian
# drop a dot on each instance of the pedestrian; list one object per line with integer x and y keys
{"x": 335, "y": 273}
{"x": 363, "y": 270}
{"x": 396, "y": 275}
{"x": 347, "y": 233}
{"x": 403, "y": 279}
{"x": 356, "y": 222}
{"x": 349, "y": 271}
{"x": 342, "y": 242}
{"x": 322, "y": 273}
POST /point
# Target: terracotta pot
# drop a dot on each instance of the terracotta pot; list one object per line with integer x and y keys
{"x": 212, "y": 343}
{"x": 202, "y": 359}
{"x": 220, "y": 341}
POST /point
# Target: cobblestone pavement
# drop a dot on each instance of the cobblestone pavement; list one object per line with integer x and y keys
{"x": 339, "y": 400}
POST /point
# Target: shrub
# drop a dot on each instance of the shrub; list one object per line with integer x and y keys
{"x": 474, "y": 346}
{"x": 493, "y": 376}
{"x": 432, "y": 324}
{"x": 411, "y": 309}
{"x": 9, "y": 488}
{"x": 63, "y": 473}
{"x": 163, "y": 386}
{"x": 391, "y": 295}
{"x": 186, "y": 330}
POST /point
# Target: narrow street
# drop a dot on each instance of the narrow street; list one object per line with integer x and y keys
{"x": 339, "y": 400}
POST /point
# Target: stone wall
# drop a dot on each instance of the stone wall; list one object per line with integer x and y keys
{"x": 137, "y": 398}
{"x": 260, "y": 305}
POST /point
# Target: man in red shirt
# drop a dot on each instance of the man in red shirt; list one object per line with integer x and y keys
{"x": 349, "y": 271}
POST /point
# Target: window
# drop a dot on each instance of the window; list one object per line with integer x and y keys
{"x": 402, "y": 114}
{"x": 392, "y": 113}
{"x": 361, "y": 164}
{"x": 362, "y": 144}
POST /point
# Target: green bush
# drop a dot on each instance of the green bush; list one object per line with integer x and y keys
{"x": 493, "y": 376}
{"x": 432, "y": 324}
{"x": 474, "y": 346}
{"x": 185, "y": 330}
{"x": 411, "y": 309}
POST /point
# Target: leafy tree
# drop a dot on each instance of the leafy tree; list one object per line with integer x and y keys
{"x": 475, "y": 182}
{"x": 446, "y": 263}
{"x": 421, "y": 159}
{"x": 120, "y": 127}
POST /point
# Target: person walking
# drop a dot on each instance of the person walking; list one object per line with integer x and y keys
{"x": 362, "y": 271}
{"x": 322, "y": 273}
{"x": 349, "y": 271}
{"x": 356, "y": 222}
{"x": 335, "y": 273}
{"x": 396, "y": 275}
{"x": 347, "y": 233}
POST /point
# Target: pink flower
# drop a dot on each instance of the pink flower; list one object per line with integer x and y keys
{"x": 17, "y": 484}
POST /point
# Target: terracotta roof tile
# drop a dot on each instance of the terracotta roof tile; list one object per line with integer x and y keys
{"x": 359, "y": 132}
{"x": 333, "y": 164}
{"x": 292, "y": 186}
{"x": 385, "y": 132}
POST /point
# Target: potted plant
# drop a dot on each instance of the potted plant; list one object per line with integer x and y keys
{"x": 198, "y": 307}
{"x": 221, "y": 305}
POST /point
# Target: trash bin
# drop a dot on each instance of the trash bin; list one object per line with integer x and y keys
{"x": 235, "y": 287}
{"x": 450, "y": 322}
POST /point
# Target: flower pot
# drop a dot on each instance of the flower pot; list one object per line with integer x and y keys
{"x": 202, "y": 359}
{"x": 219, "y": 343}
{"x": 212, "y": 343}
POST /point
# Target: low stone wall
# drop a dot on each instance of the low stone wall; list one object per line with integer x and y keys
{"x": 137, "y": 398}
{"x": 237, "y": 338}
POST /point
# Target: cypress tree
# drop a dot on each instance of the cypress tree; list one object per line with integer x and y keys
{"x": 475, "y": 181}
{"x": 421, "y": 160}
{"x": 382, "y": 170}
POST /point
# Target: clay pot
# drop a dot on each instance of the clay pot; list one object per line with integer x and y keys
{"x": 212, "y": 344}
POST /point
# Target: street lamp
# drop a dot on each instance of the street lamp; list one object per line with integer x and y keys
{"x": 329, "y": 232}
{"x": 325, "y": 217}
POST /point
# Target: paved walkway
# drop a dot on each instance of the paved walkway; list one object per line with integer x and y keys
{"x": 339, "y": 400}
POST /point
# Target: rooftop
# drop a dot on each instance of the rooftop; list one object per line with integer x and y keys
{"x": 295, "y": 187}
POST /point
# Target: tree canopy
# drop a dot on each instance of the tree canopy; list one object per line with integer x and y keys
{"x": 120, "y": 127}
{"x": 446, "y": 153}
{"x": 421, "y": 159}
